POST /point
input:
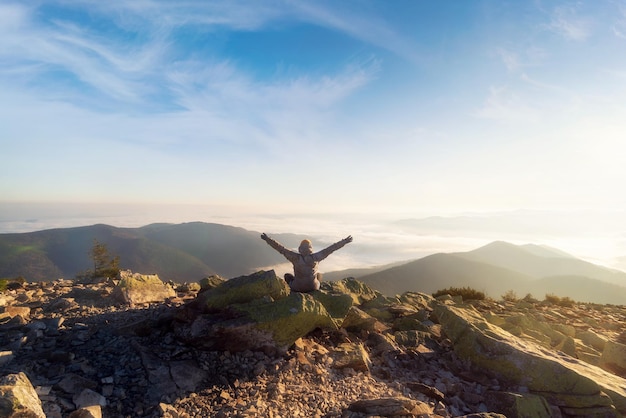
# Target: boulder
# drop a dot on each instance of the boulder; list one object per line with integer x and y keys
{"x": 353, "y": 356}
{"x": 591, "y": 339}
{"x": 88, "y": 397}
{"x": 336, "y": 304}
{"x": 358, "y": 291}
{"x": 73, "y": 384}
{"x": 254, "y": 312}
{"x": 135, "y": 288}
{"x": 391, "y": 407}
{"x": 94, "y": 411}
{"x": 420, "y": 301}
{"x": 568, "y": 346}
{"x": 378, "y": 307}
{"x": 613, "y": 358}
{"x": 243, "y": 289}
{"x": 357, "y": 320}
{"x": 289, "y": 318}
{"x": 187, "y": 374}
{"x": 522, "y": 363}
{"x": 412, "y": 322}
{"x": 12, "y": 311}
{"x": 18, "y": 397}
{"x": 211, "y": 282}
{"x": 518, "y": 405}
{"x": 410, "y": 338}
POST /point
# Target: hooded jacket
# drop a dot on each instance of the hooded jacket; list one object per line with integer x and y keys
{"x": 305, "y": 273}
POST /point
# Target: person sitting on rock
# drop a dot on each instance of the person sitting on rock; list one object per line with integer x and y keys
{"x": 305, "y": 277}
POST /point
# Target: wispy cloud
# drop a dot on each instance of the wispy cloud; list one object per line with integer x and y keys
{"x": 63, "y": 57}
{"x": 509, "y": 58}
{"x": 504, "y": 105}
{"x": 137, "y": 68}
{"x": 518, "y": 60}
{"x": 275, "y": 113}
{"x": 208, "y": 99}
{"x": 619, "y": 27}
{"x": 360, "y": 26}
{"x": 566, "y": 22}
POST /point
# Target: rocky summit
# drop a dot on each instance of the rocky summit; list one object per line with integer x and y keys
{"x": 249, "y": 347}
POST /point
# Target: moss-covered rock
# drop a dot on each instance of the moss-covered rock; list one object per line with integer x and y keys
{"x": 512, "y": 359}
{"x": 289, "y": 318}
{"x": 518, "y": 405}
{"x": 337, "y": 304}
{"x": 411, "y": 322}
{"x": 568, "y": 346}
{"x": 18, "y": 397}
{"x": 418, "y": 300}
{"x": 591, "y": 339}
{"x": 211, "y": 282}
{"x": 357, "y": 320}
{"x": 243, "y": 289}
{"x": 358, "y": 291}
{"x": 411, "y": 338}
{"x": 136, "y": 288}
{"x": 353, "y": 356}
{"x": 614, "y": 358}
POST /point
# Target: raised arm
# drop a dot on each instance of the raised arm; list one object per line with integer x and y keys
{"x": 320, "y": 255}
{"x": 278, "y": 246}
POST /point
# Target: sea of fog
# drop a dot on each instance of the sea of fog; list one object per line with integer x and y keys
{"x": 379, "y": 238}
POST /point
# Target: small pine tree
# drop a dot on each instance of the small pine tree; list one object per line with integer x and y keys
{"x": 104, "y": 265}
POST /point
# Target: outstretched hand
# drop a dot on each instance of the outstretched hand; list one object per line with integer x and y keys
{"x": 348, "y": 239}
{"x": 264, "y": 236}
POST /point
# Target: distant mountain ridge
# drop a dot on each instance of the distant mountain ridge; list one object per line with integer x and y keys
{"x": 179, "y": 252}
{"x": 499, "y": 267}
{"x": 540, "y": 261}
{"x": 191, "y": 251}
{"x": 442, "y": 270}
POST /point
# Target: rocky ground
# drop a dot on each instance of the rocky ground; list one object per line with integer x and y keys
{"x": 81, "y": 347}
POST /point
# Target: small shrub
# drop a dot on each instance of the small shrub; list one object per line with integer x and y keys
{"x": 510, "y": 296}
{"x": 552, "y": 298}
{"x": 556, "y": 300}
{"x": 467, "y": 293}
{"x": 10, "y": 284}
{"x": 568, "y": 302}
{"x": 529, "y": 298}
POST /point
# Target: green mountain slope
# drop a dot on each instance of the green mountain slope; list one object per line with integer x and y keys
{"x": 228, "y": 250}
{"x": 500, "y": 267}
{"x": 579, "y": 288}
{"x": 183, "y": 252}
{"x": 439, "y": 271}
{"x": 541, "y": 262}
{"x": 359, "y": 272}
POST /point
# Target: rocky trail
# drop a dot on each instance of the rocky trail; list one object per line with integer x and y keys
{"x": 247, "y": 347}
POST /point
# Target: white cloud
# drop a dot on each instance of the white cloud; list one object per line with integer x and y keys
{"x": 504, "y": 105}
{"x": 75, "y": 53}
{"x": 130, "y": 72}
{"x": 273, "y": 113}
{"x": 619, "y": 27}
{"x": 510, "y": 59}
{"x": 360, "y": 26}
{"x": 566, "y": 23}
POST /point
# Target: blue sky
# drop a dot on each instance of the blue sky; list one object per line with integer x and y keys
{"x": 424, "y": 107}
